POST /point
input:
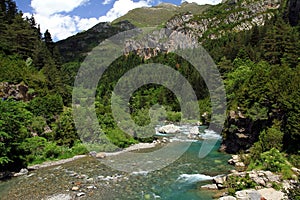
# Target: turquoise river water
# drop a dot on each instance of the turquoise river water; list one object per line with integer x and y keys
{"x": 180, "y": 180}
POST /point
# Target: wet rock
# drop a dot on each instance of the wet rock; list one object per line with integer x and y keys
{"x": 164, "y": 140}
{"x": 169, "y": 129}
{"x": 22, "y": 172}
{"x": 80, "y": 194}
{"x": 209, "y": 187}
{"x": 101, "y": 155}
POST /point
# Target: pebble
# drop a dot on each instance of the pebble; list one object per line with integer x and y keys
{"x": 75, "y": 188}
{"x": 80, "y": 194}
{"x": 30, "y": 175}
{"x": 91, "y": 187}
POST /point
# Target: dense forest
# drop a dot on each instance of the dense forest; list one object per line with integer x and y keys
{"x": 260, "y": 68}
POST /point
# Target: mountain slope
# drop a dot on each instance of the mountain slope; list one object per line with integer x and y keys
{"x": 158, "y": 15}
{"x": 76, "y": 47}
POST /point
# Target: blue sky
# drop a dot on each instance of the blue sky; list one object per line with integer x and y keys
{"x": 64, "y": 18}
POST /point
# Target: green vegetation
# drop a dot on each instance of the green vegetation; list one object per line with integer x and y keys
{"x": 236, "y": 183}
{"x": 39, "y": 127}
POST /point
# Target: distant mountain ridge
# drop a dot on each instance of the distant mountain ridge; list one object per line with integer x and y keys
{"x": 199, "y": 22}
{"x": 158, "y": 15}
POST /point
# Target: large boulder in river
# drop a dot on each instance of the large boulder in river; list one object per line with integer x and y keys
{"x": 194, "y": 130}
{"x": 22, "y": 172}
{"x": 169, "y": 129}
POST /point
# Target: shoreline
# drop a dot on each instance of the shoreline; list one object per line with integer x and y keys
{"x": 107, "y": 154}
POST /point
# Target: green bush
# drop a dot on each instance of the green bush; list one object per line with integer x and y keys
{"x": 119, "y": 138}
{"x": 236, "y": 183}
{"x": 274, "y": 161}
{"x": 173, "y": 116}
{"x": 79, "y": 149}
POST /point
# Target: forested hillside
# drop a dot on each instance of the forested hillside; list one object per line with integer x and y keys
{"x": 35, "y": 122}
{"x": 259, "y": 65}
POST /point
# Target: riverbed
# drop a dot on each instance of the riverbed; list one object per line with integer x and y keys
{"x": 88, "y": 178}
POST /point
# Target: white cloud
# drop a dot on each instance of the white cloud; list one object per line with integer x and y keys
{"x": 105, "y": 2}
{"x": 121, "y": 7}
{"x": 49, "y": 14}
{"x": 202, "y": 2}
{"x": 85, "y": 23}
{"x": 49, "y": 7}
{"x": 60, "y": 26}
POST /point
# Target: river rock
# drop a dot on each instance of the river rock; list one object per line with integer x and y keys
{"x": 194, "y": 130}
{"x": 22, "y": 172}
{"x": 271, "y": 194}
{"x": 219, "y": 181}
{"x": 91, "y": 187}
{"x": 101, "y": 155}
{"x": 164, "y": 140}
{"x": 249, "y": 194}
{"x": 227, "y": 198}
{"x": 75, "y": 188}
{"x": 210, "y": 187}
{"x": 93, "y": 154}
{"x": 234, "y": 159}
{"x": 169, "y": 129}
{"x": 80, "y": 194}
{"x": 60, "y": 197}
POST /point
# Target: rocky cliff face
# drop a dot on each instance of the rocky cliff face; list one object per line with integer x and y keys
{"x": 240, "y": 133}
{"x": 231, "y": 16}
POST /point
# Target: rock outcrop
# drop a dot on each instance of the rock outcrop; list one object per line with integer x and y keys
{"x": 169, "y": 129}
{"x": 19, "y": 92}
{"x": 240, "y": 132}
{"x": 236, "y": 16}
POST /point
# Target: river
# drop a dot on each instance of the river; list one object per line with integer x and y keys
{"x": 180, "y": 180}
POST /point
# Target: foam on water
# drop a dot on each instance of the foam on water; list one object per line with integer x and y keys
{"x": 193, "y": 178}
{"x": 210, "y": 134}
